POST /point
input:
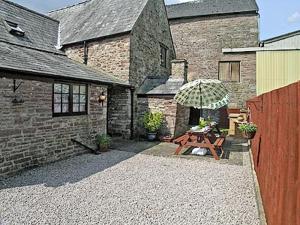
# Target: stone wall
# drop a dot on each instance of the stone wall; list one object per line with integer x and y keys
{"x": 119, "y": 112}
{"x": 31, "y": 136}
{"x": 151, "y": 30}
{"x": 111, "y": 55}
{"x": 201, "y": 40}
{"x": 175, "y": 116}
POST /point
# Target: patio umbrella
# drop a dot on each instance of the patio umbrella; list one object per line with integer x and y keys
{"x": 203, "y": 94}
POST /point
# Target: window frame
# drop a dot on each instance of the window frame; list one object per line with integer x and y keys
{"x": 70, "y": 113}
{"x": 163, "y": 63}
{"x": 230, "y": 62}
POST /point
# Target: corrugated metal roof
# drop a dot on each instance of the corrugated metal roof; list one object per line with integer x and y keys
{"x": 289, "y": 40}
{"x": 154, "y": 85}
{"x": 210, "y": 7}
{"x": 19, "y": 58}
{"x": 97, "y": 18}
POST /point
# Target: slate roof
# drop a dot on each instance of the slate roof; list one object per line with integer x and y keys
{"x": 160, "y": 86}
{"x": 97, "y": 18}
{"x": 41, "y": 32}
{"x": 35, "y": 53}
{"x": 40, "y": 63}
{"x": 210, "y": 7}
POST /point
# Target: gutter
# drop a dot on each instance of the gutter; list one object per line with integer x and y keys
{"x": 213, "y": 15}
{"x": 257, "y": 49}
{"x": 58, "y": 77}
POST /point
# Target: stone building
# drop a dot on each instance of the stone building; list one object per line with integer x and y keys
{"x": 48, "y": 101}
{"x": 54, "y": 68}
{"x": 201, "y": 29}
{"x": 128, "y": 38}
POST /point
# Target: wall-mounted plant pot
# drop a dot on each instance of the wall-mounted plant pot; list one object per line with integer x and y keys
{"x": 151, "y": 136}
{"x": 249, "y": 135}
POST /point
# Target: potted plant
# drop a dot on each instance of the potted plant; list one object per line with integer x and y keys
{"x": 152, "y": 122}
{"x": 248, "y": 129}
{"x": 103, "y": 142}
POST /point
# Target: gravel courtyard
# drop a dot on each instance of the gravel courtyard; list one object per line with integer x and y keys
{"x": 126, "y": 188}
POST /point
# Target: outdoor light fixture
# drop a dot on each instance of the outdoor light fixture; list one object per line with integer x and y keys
{"x": 102, "y": 98}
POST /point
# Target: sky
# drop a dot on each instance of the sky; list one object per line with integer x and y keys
{"x": 276, "y": 16}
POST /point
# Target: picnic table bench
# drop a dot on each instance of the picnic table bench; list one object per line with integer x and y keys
{"x": 201, "y": 140}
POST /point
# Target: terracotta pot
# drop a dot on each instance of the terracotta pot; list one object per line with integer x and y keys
{"x": 249, "y": 135}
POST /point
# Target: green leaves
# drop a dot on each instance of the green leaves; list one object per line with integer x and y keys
{"x": 103, "y": 139}
{"x": 153, "y": 121}
{"x": 248, "y": 127}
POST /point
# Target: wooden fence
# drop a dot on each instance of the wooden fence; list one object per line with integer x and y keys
{"x": 276, "y": 153}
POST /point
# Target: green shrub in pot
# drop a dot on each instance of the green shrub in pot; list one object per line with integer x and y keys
{"x": 152, "y": 122}
{"x": 103, "y": 141}
{"x": 248, "y": 129}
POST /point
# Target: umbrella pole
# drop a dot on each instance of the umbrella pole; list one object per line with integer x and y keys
{"x": 201, "y": 102}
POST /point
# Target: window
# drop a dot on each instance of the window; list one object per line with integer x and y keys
{"x": 229, "y": 71}
{"x": 163, "y": 56}
{"x": 69, "y": 99}
{"x": 14, "y": 28}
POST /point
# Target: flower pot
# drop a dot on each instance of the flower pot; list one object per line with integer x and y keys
{"x": 103, "y": 148}
{"x": 249, "y": 135}
{"x": 151, "y": 136}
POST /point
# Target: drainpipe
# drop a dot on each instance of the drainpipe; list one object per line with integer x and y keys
{"x": 132, "y": 113}
{"x": 86, "y": 53}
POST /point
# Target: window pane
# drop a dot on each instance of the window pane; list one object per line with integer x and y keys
{"x": 75, "y": 107}
{"x": 76, "y": 89}
{"x": 57, "y": 98}
{"x": 82, "y": 108}
{"x": 57, "y": 88}
{"x": 82, "y": 89}
{"x": 65, "y": 108}
{"x": 57, "y": 108}
{"x": 75, "y": 98}
{"x": 65, "y": 89}
{"x": 224, "y": 71}
{"x": 82, "y": 98}
{"x": 65, "y": 98}
{"x": 235, "y": 71}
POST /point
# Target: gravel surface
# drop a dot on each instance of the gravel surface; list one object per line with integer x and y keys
{"x": 127, "y": 188}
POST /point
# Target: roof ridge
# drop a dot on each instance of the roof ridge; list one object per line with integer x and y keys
{"x": 69, "y": 6}
{"x": 30, "y": 10}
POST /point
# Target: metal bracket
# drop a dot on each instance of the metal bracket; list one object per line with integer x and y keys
{"x": 16, "y": 87}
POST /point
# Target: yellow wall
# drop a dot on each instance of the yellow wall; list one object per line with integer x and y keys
{"x": 275, "y": 69}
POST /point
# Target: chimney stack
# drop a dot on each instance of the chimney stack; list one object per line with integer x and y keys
{"x": 180, "y": 69}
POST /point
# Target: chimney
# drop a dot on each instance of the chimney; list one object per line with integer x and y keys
{"x": 179, "y": 69}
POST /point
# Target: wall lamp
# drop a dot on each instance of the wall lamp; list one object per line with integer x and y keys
{"x": 102, "y": 98}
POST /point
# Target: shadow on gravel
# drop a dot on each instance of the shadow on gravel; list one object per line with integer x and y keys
{"x": 69, "y": 171}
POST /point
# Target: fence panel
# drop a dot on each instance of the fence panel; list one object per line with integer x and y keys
{"x": 276, "y": 152}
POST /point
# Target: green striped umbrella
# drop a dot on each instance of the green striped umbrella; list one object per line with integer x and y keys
{"x": 203, "y": 94}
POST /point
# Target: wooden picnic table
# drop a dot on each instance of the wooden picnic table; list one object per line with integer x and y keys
{"x": 201, "y": 140}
